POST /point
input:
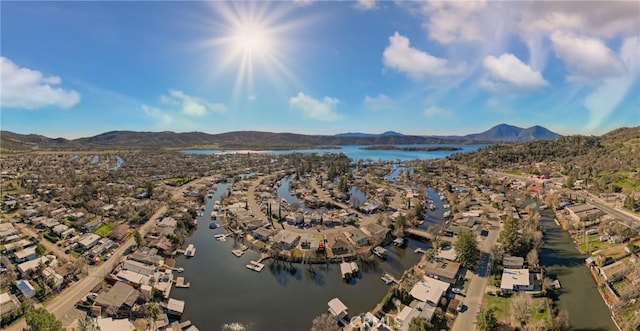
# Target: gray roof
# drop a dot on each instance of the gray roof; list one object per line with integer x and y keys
{"x": 118, "y": 295}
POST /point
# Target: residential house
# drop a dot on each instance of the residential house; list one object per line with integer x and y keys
{"x": 262, "y": 234}
{"x": 429, "y": 290}
{"x": 6, "y": 230}
{"x": 340, "y": 247}
{"x": 148, "y": 256}
{"x": 357, "y": 237}
{"x": 584, "y": 212}
{"x": 120, "y": 296}
{"x": 337, "y": 308}
{"x": 8, "y": 304}
{"x": 516, "y": 280}
{"x": 59, "y": 229}
{"x": 613, "y": 271}
{"x": 88, "y": 240}
{"x": 26, "y": 254}
{"x": 447, "y": 271}
{"x": 26, "y": 288}
{"x": 175, "y": 307}
{"x": 53, "y": 277}
{"x": 512, "y": 262}
{"x": 287, "y": 239}
{"x": 92, "y": 225}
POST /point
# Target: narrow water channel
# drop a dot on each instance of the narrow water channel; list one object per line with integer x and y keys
{"x": 579, "y": 294}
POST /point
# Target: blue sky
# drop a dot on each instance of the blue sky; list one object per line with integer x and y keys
{"x": 75, "y": 69}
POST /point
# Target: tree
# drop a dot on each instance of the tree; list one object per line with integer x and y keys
{"x": 152, "y": 311}
{"x": 509, "y": 235}
{"x": 325, "y": 322}
{"x": 467, "y": 249}
{"x": 42, "y": 320}
{"x": 88, "y": 324}
{"x": 532, "y": 257}
{"x": 570, "y": 181}
{"x": 521, "y": 305}
{"x": 40, "y": 250}
{"x": 486, "y": 319}
{"x": 419, "y": 324}
{"x": 138, "y": 237}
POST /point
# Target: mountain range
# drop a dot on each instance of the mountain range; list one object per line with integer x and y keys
{"x": 258, "y": 140}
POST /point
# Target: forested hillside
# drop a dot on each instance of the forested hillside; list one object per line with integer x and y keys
{"x": 610, "y": 162}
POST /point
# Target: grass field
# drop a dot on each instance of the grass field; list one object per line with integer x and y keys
{"x": 503, "y": 313}
{"x": 104, "y": 229}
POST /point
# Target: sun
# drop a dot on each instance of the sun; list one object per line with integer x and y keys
{"x": 252, "y": 39}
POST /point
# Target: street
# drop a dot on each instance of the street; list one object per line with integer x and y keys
{"x": 475, "y": 293}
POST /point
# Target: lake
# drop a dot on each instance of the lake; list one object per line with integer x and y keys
{"x": 355, "y": 152}
{"x": 225, "y": 294}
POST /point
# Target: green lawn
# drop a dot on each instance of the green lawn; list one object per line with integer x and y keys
{"x": 502, "y": 307}
{"x": 104, "y": 229}
{"x": 593, "y": 242}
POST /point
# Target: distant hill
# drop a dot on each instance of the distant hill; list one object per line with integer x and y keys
{"x": 609, "y": 162}
{"x": 255, "y": 139}
{"x": 360, "y": 134}
{"x": 506, "y": 132}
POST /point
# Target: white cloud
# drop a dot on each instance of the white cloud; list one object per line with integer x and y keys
{"x": 585, "y": 58}
{"x": 158, "y": 114}
{"x": 508, "y": 71}
{"x": 366, "y": 4}
{"x": 379, "y": 102}
{"x": 30, "y": 89}
{"x": 417, "y": 64}
{"x": 608, "y": 95}
{"x": 191, "y": 106}
{"x": 323, "y": 110}
{"x": 434, "y": 111}
{"x": 454, "y": 21}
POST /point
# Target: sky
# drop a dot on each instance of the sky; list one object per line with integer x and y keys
{"x": 75, "y": 69}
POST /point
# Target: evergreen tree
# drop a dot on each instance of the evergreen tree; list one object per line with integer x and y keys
{"x": 467, "y": 249}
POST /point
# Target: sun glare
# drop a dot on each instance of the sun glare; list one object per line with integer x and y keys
{"x": 250, "y": 38}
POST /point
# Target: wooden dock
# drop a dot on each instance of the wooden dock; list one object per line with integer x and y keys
{"x": 237, "y": 252}
{"x": 255, "y": 266}
{"x": 419, "y": 250}
{"x": 181, "y": 284}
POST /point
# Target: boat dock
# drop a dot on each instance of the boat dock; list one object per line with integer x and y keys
{"x": 388, "y": 279}
{"x": 190, "y": 251}
{"x": 419, "y": 250}
{"x": 238, "y": 252}
{"x": 255, "y": 266}
{"x": 181, "y": 284}
{"x": 349, "y": 269}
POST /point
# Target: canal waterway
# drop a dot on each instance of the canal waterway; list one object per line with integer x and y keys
{"x": 579, "y": 294}
{"x": 355, "y": 152}
{"x": 224, "y": 293}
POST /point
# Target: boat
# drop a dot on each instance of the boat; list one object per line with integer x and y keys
{"x": 190, "y": 251}
{"x": 387, "y": 279}
{"x": 220, "y": 237}
{"x": 216, "y": 205}
{"x": 210, "y": 195}
{"x": 203, "y": 207}
{"x": 398, "y": 242}
{"x": 213, "y": 225}
{"x": 214, "y": 215}
{"x": 380, "y": 252}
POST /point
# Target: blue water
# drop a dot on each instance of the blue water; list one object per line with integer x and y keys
{"x": 355, "y": 152}
{"x": 119, "y": 163}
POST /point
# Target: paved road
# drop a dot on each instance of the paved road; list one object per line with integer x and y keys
{"x": 65, "y": 302}
{"x": 475, "y": 293}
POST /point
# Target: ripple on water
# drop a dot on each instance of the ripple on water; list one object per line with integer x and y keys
{"x": 234, "y": 327}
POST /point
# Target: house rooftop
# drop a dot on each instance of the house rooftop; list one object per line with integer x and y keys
{"x": 511, "y": 278}
{"x": 119, "y": 294}
{"x": 429, "y": 290}
{"x": 336, "y": 307}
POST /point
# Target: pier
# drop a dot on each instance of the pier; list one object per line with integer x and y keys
{"x": 181, "y": 284}
{"x": 221, "y": 237}
{"x": 255, "y": 266}
{"x": 388, "y": 279}
{"x": 190, "y": 251}
{"x": 419, "y": 251}
{"x": 424, "y": 234}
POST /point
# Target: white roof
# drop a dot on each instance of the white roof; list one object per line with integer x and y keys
{"x": 336, "y": 306}
{"x": 448, "y": 253}
{"x": 429, "y": 290}
{"x": 175, "y": 305}
{"x": 514, "y": 277}
{"x": 21, "y": 254}
{"x": 4, "y": 298}
{"x": 109, "y": 324}
{"x": 404, "y": 313}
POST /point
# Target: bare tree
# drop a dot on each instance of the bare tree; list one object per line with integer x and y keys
{"x": 325, "y": 322}
{"x": 532, "y": 258}
{"x": 521, "y": 306}
{"x": 561, "y": 321}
